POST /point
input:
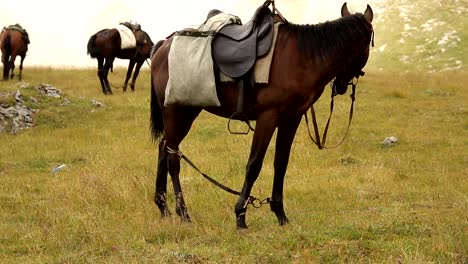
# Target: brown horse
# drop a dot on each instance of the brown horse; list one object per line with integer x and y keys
{"x": 13, "y": 43}
{"x": 305, "y": 60}
{"x": 105, "y": 46}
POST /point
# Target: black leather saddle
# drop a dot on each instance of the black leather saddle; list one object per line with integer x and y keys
{"x": 235, "y": 48}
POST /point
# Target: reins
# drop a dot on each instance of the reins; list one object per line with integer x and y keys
{"x": 321, "y": 143}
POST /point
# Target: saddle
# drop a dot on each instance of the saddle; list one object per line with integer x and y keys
{"x": 19, "y": 28}
{"x": 132, "y": 26}
{"x": 235, "y": 48}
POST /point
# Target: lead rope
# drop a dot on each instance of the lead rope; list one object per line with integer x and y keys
{"x": 254, "y": 201}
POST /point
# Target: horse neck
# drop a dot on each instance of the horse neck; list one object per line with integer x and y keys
{"x": 331, "y": 47}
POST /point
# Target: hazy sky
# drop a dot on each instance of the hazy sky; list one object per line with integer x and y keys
{"x": 59, "y": 30}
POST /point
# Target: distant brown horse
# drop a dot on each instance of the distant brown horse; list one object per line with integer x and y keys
{"x": 305, "y": 60}
{"x": 105, "y": 46}
{"x": 13, "y": 43}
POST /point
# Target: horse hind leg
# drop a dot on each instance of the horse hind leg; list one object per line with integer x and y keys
{"x": 21, "y": 68}
{"x": 107, "y": 66}
{"x": 101, "y": 74}
{"x": 174, "y": 171}
{"x": 284, "y": 139}
{"x": 161, "y": 180}
{"x": 6, "y": 70}
{"x": 12, "y": 66}
{"x": 177, "y": 124}
{"x": 6, "y": 64}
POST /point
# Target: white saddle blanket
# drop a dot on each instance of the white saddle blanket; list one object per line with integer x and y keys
{"x": 127, "y": 37}
{"x": 191, "y": 77}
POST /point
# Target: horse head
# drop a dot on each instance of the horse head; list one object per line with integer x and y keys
{"x": 144, "y": 44}
{"x": 357, "y": 59}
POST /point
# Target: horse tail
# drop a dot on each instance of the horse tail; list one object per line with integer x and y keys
{"x": 7, "y": 48}
{"x": 157, "y": 124}
{"x": 6, "y": 56}
{"x": 93, "y": 51}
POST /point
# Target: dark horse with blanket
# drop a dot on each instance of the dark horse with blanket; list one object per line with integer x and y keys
{"x": 14, "y": 42}
{"x": 105, "y": 46}
{"x": 306, "y": 58}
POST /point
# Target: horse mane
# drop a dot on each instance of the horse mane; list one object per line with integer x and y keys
{"x": 332, "y": 39}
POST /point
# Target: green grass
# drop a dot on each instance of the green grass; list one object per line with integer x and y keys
{"x": 361, "y": 202}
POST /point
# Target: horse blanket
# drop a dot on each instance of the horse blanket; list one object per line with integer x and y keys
{"x": 128, "y": 40}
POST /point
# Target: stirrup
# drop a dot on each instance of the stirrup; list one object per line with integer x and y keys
{"x": 245, "y": 119}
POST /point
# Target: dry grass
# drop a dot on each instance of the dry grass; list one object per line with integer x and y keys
{"x": 361, "y": 202}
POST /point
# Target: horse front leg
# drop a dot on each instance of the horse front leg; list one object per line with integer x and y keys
{"x": 131, "y": 65}
{"x": 135, "y": 74}
{"x": 264, "y": 129}
{"x": 161, "y": 180}
{"x": 286, "y": 132}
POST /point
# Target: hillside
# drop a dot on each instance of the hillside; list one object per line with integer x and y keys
{"x": 420, "y": 35}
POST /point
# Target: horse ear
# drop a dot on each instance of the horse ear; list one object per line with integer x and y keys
{"x": 369, "y": 14}
{"x": 344, "y": 10}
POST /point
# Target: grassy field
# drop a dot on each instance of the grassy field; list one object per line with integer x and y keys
{"x": 361, "y": 202}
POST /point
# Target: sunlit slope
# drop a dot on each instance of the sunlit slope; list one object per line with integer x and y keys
{"x": 420, "y": 35}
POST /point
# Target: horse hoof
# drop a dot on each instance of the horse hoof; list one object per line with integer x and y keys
{"x": 283, "y": 221}
{"x": 183, "y": 214}
{"x": 186, "y": 218}
{"x": 240, "y": 221}
{"x": 165, "y": 213}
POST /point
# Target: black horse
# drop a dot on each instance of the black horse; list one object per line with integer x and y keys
{"x": 306, "y": 58}
{"x": 105, "y": 46}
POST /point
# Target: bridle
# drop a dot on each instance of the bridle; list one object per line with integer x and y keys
{"x": 354, "y": 81}
{"x": 321, "y": 143}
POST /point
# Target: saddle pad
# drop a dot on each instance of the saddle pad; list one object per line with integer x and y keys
{"x": 127, "y": 37}
{"x": 191, "y": 77}
{"x": 216, "y": 22}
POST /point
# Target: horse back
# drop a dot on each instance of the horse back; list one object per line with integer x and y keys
{"x": 107, "y": 42}
{"x": 15, "y": 42}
